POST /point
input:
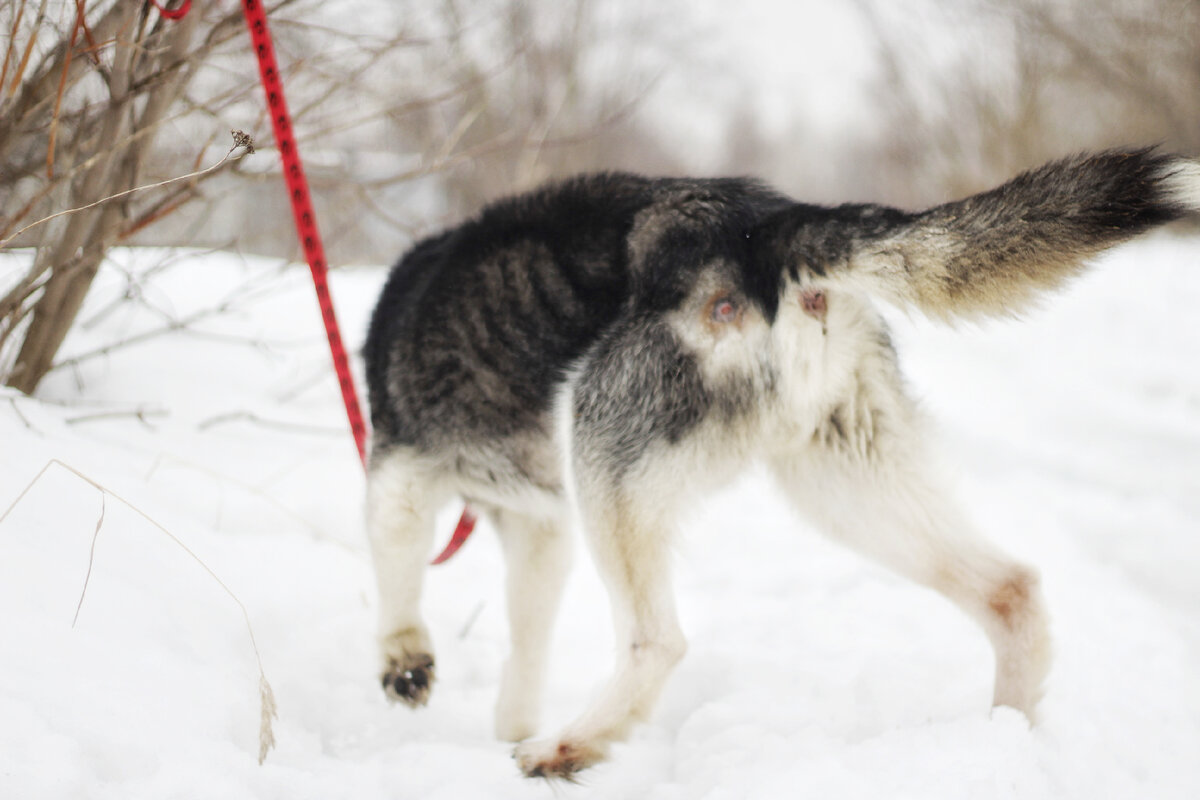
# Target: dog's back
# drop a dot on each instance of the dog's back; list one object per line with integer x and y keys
{"x": 476, "y": 327}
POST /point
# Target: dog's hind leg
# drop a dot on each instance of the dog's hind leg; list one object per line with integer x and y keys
{"x": 630, "y": 543}
{"x": 882, "y": 500}
{"x": 538, "y": 555}
{"x": 401, "y": 503}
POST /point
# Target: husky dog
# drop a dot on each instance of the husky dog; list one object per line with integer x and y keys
{"x": 614, "y": 345}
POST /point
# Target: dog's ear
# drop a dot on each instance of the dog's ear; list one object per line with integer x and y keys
{"x": 992, "y": 252}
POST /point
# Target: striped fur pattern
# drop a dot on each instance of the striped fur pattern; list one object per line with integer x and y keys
{"x": 608, "y": 348}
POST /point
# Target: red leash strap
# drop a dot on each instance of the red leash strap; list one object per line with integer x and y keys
{"x": 302, "y": 210}
{"x": 310, "y": 237}
{"x": 173, "y": 13}
{"x": 466, "y": 524}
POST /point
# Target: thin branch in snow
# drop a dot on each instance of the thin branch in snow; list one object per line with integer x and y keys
{"x": 304, "y": 383}
{"x": 140, "y": 414}
{"x": 250, "y": 416}
{"x": 20, "y": 415}
{"x": 224, "y": 479}
{"x": 247, "y": 293}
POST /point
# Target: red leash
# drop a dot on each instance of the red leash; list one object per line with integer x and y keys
{"x": 173, "y": 13}
{"x": 302, "y": 210}
{"x": 310, "y": 238}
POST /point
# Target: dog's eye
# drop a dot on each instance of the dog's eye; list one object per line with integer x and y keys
{"x": 724, "y": 309}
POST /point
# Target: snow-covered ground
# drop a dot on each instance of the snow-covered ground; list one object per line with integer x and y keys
{"x": 810, "y": 673}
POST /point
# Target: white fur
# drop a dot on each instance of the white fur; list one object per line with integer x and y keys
{"x": 538, "y": 555}
{"x": 1183, "y": 183}
{"x": 401, "y": 503}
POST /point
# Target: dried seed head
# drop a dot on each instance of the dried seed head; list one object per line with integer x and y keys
{"x": 243, "y": 139}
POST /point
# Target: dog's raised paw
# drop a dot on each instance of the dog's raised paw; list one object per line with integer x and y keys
{"x": 551, "y": 758}
{"x": 409, "y": 680}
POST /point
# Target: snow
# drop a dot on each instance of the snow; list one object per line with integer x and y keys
{"x": 810, "y": 672}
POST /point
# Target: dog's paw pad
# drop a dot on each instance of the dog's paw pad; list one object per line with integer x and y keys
{"x": 409, "y": 680}
{"x": 554, "y": 759}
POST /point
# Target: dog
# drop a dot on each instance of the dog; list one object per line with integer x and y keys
{"x": 613, "y": 345}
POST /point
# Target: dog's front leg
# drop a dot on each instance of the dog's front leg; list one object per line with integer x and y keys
{"x": 630, "y": 547}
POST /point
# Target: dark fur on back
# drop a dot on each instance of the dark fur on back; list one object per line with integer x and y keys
{"x": 474, "y": 326}
{"x": 478, "y": 326}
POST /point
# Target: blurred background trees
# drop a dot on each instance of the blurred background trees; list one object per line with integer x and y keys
{"x": 410, "y": 115}
{"x": 1009, "y": 84}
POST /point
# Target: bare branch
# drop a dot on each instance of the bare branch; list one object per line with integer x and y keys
{"x": 142, "y": 415}
{"x": 91, "y": 559}
{"x": 250, "y": 416}
{"x": 62, "y": 85}
{"x": 241, "y": 141}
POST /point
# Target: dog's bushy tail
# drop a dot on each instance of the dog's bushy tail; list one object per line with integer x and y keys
{"x": 990, "y": 253}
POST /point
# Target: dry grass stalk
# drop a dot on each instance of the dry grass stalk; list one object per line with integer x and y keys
{"x": 268, "y": 711}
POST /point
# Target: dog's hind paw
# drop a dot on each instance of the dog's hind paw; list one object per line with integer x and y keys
{"x": 551, "y": 758}
{"x": 409, "y": 680}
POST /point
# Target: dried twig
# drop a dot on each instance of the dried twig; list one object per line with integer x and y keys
{"x": 134, "y": 290}
{"x": 91, "y": 560}
{"x": 135, "y": 138}
{"x": 12, "y": 401}
{"x": 12, "y": 40}
{"x": 28, "y": 50}
{"x": 62, "y": 85}
{"x": 140, "y": 414}
{"x": 250, "y": 416}
{"x": 244, "y": 295}
{"x": 268, "y": 711}
{"x": 250, "y": 489}
{"x": 240, "y": 140}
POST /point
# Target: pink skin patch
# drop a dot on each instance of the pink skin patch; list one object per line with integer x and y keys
{"x": 724, "y": 311}
{"x": 813, "y": 302}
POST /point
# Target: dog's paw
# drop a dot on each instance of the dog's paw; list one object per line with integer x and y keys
{"x": 409, "y": 679}
{"x": 552, "y": 758}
